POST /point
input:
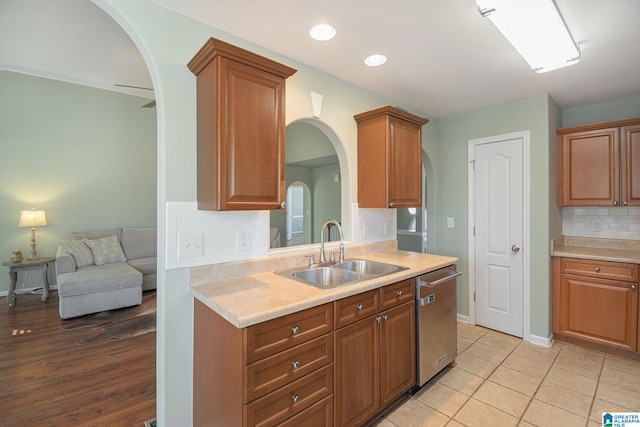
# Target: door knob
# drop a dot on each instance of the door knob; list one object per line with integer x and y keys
{"x": 515, "y": 248}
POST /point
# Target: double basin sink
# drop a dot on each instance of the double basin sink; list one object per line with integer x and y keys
{"x": 328, "y": 276}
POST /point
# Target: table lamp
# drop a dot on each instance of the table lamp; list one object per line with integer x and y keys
{"x": 32, "y": 218}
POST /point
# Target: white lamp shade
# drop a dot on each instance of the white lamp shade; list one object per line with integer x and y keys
{"x": 32, "y": 218}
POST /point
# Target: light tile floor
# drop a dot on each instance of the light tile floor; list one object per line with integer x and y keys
{"x": 500, "y": 380}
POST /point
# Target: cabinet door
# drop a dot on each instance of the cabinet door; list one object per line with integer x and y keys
{"x": 599, "y": 310}
{"x": 252, "y": 158}
{"x": 397, "y": 352}
{"x": 404, "y": 164}
{"x": 589, "y": 170}
{"x": 357, "y": 372}
{"x": 630, "y": 164}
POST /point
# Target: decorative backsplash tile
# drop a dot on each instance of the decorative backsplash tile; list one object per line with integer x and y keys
{"x": 609, "y": 223}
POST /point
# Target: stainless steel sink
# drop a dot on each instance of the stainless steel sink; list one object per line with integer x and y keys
{"x": 326, "y": 277}
{"x": 369, "y": 268}
{"x": 329, "y": 276}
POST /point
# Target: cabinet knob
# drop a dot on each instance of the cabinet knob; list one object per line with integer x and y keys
{"x": 295, "y": 330}
{"x": 597, "y": 269}
{"x": 624, "y": 203}
{"x": 296, "y": 365}
{"x": 399, "y": 293}
{"x": 633, "y": 287}
{"x": 283, "y": 205}
{"x": 615, "y": 203}
{"x": 295, "y": 398}
{"x": 392, "y": 205}
{"x": 360, "y": 306}
{"x": 385, "y": 317}
{"x": 378, "y": 319}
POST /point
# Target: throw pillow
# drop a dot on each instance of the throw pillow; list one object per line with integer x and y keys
{"x": 80, "y": 252}
{"x": 106, "y": 250}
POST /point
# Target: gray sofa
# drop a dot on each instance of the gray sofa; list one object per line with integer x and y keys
{"x": 105, "y": 269}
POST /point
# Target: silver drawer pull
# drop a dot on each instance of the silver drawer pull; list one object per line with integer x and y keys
{"x": 360, "y": 306}
{"x": 295, "y": 330}
{"x": 296, "y": 365}
{"x": 295, "y": 398}
{"x": 399, "y": 293}
{"x": 597, "y": 269}
{"x": 385, "y": 317}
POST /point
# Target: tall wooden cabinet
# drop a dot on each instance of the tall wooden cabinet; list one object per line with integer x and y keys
{"x": 599, "y": 165}
{"x": 241, "y": 128}
{"x": 596, "y": 301}
{"x": 389, "y": 158}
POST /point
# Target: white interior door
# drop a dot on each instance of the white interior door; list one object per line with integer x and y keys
{"x": 498, "y": 189}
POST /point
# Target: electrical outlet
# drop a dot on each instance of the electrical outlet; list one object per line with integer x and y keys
{"x": 450, "y": 223}
{"x": 243, "y": 243}
{"x": 596, "y": 224}
{"x": 190, "y": 245}
{"x": 366, "y": 230}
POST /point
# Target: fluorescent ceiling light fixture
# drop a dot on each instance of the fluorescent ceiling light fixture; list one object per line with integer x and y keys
{"x": 322, "y": 32}
{"x": 375, "y": 60}
{"x": 536, "y": 29}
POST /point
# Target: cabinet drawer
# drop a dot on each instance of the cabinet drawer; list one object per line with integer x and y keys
{"x": 356, "y": 307}
{"x": 280, "y": 369}
{"x": 291, "y": 399}
{"x": 268, "y": 338}
{"x": 397, "y": 293}
{"x": 601, "y": 269}
{"x": 318, "y": 415}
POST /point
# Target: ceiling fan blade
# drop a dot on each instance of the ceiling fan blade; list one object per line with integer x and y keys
{"x": 133, "y": 87}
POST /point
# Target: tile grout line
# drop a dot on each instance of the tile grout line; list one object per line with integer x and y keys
{"x": 595, "y": 392}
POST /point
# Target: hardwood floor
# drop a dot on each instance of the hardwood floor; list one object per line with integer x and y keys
{"x": 47, "y": 379}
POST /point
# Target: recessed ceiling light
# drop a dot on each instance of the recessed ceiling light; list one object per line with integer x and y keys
{"x": 322, "y": 32}
{"x": 375, "y": 60}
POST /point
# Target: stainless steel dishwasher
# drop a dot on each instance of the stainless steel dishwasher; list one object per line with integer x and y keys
{"x": 436, "y": 322}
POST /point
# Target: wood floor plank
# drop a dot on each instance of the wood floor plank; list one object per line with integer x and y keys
{"x": 50, "y": 377}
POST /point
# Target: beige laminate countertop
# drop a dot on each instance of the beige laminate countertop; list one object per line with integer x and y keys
{"x": 616, "y": 250}
{"x": 257, "y": 298}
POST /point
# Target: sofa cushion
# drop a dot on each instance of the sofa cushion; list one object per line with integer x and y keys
{"x": 106, "y": 250}
{"x": 144, "y": 265}
{"x": 139, "y": 242}
{"x": 80, "y": 252}
{"x": 95, "y": 234}
{"x": 94, "y": 278}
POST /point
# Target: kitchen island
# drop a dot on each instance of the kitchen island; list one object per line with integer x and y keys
{"x": 270, "y": 350}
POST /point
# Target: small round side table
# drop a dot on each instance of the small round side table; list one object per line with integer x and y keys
{"x": 36, "y": 264}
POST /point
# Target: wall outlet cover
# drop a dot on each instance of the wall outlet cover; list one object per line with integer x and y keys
{"x": 450, "y": 222}
{"x": 190, "y": 245}
{"x": 243, "y": 241}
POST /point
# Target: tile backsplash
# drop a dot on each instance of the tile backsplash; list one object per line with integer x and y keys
{"x": 197, "y": 237}
{"x": 606, "y": 223}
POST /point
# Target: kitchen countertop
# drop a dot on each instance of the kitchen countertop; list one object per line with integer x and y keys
{"x": 617, "y": 250}
{"x": 253, "y": 299}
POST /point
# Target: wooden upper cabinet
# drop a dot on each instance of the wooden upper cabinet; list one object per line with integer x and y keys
{"x": 241, "y": 128}
{"x": 630, "y": 164}
{"x": 389, "y": 158}
{"x": 599, "y": 165}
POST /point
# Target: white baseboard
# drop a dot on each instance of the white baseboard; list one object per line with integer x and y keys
{"x": 463, "y": 318}
{"x": 541, "y": 341}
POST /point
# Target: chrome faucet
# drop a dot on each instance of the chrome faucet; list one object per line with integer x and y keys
{"x": 323, "y": 258}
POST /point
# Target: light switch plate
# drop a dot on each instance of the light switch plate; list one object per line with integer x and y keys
{"x": 450, "y": 222}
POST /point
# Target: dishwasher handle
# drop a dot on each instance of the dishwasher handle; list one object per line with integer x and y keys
{"x": 451, "y": 275}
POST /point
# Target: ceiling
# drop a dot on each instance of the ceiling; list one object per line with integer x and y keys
{"x": 444, "y": 58}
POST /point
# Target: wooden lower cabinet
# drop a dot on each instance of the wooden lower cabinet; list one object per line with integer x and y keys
{"x": 374, "y": 364}
{"x": 596, "y": 301}
{"x": 300, "y": 369}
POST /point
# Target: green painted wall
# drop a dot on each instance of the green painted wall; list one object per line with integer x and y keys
{"x": 326, "y": 197}
{"x": 454, "y": 134}
{"x": 87, "y": 156}
{"x": 603, "y": 112}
